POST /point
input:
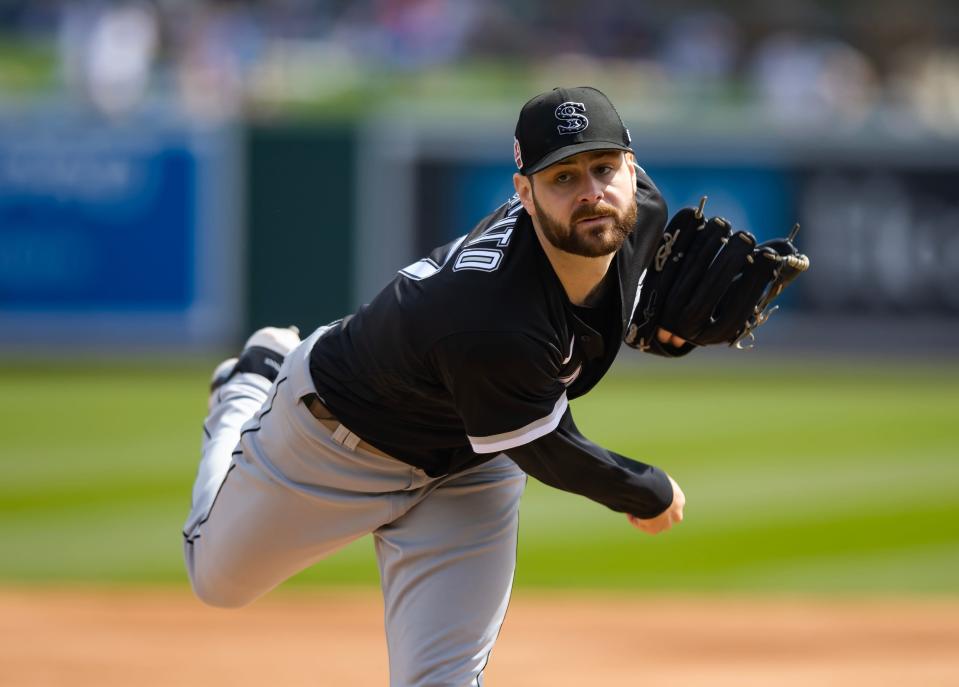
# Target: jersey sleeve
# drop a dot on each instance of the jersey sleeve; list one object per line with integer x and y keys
{"x": 567, "y": 460}
{"x": 504, "y": 385}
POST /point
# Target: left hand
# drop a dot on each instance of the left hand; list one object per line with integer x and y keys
{"x": 708, "y": 284}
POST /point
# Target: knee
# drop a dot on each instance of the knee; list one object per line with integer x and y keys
{"x": 211, "y": 587}
{"x": 220, "y": 595}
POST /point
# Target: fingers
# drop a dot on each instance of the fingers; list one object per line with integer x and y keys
{"x": 667, "y": 337}
{"x": 665, "y": 520}
{"x": 661, "y": 523}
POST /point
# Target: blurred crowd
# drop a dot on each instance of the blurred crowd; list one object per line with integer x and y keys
{"x": 796, "y": 61}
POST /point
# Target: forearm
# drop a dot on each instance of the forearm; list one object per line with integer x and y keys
{"x": 567, "y": 460}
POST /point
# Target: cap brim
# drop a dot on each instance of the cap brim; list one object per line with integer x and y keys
{"x": 570, "y": 150}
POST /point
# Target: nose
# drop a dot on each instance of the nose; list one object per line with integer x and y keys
{"x": 593, "y": 190}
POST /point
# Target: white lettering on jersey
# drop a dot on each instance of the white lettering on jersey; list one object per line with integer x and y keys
{"x": 499, "y": 231}
{"x": 485, "y": 259}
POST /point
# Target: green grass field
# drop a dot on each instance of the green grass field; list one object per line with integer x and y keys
{"x": 843, "y": 479}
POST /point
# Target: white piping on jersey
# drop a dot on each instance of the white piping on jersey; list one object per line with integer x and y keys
{"x": 639, "y": 290}
{"x": 523, "y": 435}
{"x": 569, "y": 357}
{"x": 572, "y": 378}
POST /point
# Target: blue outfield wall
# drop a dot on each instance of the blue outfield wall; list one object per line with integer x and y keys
{"x": 882, "y": 234}
{"x": 93, "y": 227}
{"x": 161, "y": 232}
{"x": 118, "y": 232}
{"x": 758, "y": 199}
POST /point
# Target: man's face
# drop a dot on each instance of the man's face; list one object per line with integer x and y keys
{"x": 585, "y": 204}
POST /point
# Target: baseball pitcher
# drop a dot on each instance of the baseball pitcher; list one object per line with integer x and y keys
{"x": 419, "y": 417}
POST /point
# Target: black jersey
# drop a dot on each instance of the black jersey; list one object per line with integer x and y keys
{"x": 476, "y": 350}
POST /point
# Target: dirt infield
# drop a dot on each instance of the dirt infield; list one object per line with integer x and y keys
{"x": 105, "y": 638}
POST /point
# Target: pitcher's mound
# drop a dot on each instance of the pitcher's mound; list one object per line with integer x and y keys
{"x": 144, "y": 637}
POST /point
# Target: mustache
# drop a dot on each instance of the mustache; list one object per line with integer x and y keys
{"x": 598, "y": 210}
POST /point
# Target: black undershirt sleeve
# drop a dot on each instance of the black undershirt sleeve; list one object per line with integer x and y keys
{"x": 567, "y": 460}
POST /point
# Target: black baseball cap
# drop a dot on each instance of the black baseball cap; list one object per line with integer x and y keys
{"x": 563, "y": 122}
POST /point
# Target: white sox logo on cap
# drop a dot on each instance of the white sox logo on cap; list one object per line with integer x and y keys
{"x": 555, "y": 125}
{"x": 570, "y": 114}
{"x": 517, "y": 154}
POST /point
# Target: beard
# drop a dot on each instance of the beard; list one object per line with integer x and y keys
{"x": 592, "y": 242}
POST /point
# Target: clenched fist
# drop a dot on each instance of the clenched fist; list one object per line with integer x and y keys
{"x": 666, "y": 519}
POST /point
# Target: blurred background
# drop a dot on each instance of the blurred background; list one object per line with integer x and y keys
{"x": 174, "y": 174}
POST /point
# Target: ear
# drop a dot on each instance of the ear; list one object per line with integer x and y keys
{"x": 631, "y": 163}
{"x": 524, "y": 189}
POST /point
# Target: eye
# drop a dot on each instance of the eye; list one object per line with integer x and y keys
{"x": 603, "y": 170}
{"x": 563, "y": 178}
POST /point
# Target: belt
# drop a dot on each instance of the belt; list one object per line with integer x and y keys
{"x": 340, "y": 433}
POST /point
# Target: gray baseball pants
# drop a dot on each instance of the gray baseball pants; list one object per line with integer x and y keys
{"x": 275, "y": 493}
